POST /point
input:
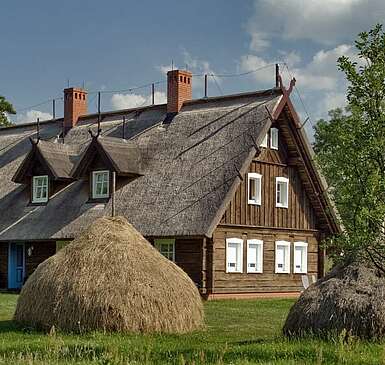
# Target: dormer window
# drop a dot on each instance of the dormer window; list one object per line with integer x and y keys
{"x": 40, "y": 189}
{"x": 100, "y": 184}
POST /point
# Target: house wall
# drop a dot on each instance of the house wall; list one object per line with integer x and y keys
{"x": 3, "y": 265}
{"x": 268, "y": 281}
{"x": 40, "y": 251}
{"x": 190, "y": 256}
{"x": 271, "y": 164}
{"x": 297, "y": 223}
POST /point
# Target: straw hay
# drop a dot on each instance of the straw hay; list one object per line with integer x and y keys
{"x": 111, "y": 279}
{"x": 350, "y": 299}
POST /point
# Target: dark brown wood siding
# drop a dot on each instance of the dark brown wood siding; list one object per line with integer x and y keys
{"x": 3, "y": 265}
{"x": 189, "y": 255}
{"x": 268, "y": 281}
{"x": 271, "y": 164}
{"x": 40, "y": 251}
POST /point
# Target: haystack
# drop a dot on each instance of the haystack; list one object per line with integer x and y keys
{"x": 350, "y": 299}
{"x": 110, "y": 279}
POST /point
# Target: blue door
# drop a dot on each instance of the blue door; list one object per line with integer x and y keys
{"x": 16, "y": 265}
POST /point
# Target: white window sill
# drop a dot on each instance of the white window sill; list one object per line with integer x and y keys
{"x": 255, "y": 272}
{"x": 282, "y": 272}
{"x": 234, "y": 272}
{"x": 281, "y": 206}
{"x": 274, "y": 148}
{"x": 300, "y": 272}
{"x": 39, "y": 201}
{"x": 253, "y": 202}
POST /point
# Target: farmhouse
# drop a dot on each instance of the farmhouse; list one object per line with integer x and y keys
{"x": 224, "y": 186}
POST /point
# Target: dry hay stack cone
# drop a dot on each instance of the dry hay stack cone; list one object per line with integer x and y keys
{"x": 350, "y": 299}
{"x": 111, "y": 279}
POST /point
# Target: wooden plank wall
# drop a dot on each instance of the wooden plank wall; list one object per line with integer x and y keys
{"x": 271, "y": 164}
{"x": 268, "y": 281}
{"x": 3, "y": 265}
{"x": 189, "y": 256}
{"x": 40, "y": 252}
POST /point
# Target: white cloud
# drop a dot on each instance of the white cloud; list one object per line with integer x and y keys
{"x": 258, "y": 41}
{"x": 320, "y": 73}
{"x": 327, "y": 22}
{"x": 126, "y": 101}
{"x": 31, "y": 116}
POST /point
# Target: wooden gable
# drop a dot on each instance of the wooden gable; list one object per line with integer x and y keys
{"x": 271, "y": 164}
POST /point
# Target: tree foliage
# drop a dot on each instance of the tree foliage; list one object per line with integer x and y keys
{"x": 5, "y": 108}
{"x": 350, "y": 149}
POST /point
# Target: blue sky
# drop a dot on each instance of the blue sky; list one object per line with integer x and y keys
{"x": 120, "y": 44}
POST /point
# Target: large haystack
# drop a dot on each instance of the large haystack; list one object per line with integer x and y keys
{"x": 349, "y": 299}
{"x": 111, "y": 279}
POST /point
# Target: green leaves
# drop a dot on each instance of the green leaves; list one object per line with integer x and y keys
{"x": 5, "y": 108}
{"x": 350, "y": 149}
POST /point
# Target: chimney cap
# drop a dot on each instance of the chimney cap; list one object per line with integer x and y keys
{"x": 75, "y": 89}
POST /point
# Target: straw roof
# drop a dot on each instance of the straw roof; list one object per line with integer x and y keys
{"x": 186, "y": 169}
{"x": 111, "y": 279}
{"x": 58, "y": 159}
{"x": 350, "y": 298}
{"x": 189, "y": 167}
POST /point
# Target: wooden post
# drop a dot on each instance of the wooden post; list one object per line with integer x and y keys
{"x": 53, "y": 110}
{"x": 38, "y": 128}
{"x": 153, "y": 93}
{"x": 113, "y": 194}
{"x": 98, "y": 132}
{"x": 206, "y": 86}
{"x": 276, "y": 75}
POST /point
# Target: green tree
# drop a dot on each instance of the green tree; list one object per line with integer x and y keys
{"x": 350, "y": 150}
{"x": 5, "y": 108}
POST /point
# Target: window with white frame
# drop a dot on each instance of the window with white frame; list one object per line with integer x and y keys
{"x": 254, "y": 181}
{"x": 282, "y": 192}
{"x": 282, "y": 257}
{"x": 264, "y": 141}
{"x": 234, "y": 255}
{"x": 274, "y": 138}
{"x": 254, "y": 256}
{"x": 100, "y": 184}
{"x": 300, "y": 257}
{"x": 166, "y": 247}
{"x": 40, "y": 189}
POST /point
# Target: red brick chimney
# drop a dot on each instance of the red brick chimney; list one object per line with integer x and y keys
{"x": 179, "y": 89}
{"x": 75, "y": 105}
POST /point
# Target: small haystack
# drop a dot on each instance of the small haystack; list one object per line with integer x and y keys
{"x": 350, "y": 298}
{"x": 111, "y": 279}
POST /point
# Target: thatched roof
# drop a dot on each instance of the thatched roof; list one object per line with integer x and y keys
{"x": 120, "y": 155}
{"x": 189, "y": 167}
{"x": 59, "y": 159}
{"x": 111, "y": 279}
{"x": 350, "y": 298}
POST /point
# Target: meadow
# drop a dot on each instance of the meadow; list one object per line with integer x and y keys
{"x": 237, "y": 332}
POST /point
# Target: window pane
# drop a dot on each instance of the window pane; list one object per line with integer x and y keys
{"x": 253, "y": 189}
{"x": 298, "y": 258}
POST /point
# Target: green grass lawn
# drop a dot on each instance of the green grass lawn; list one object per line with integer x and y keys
{"x": 237, "y": 332}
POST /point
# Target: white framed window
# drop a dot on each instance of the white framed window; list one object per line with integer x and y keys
{"x": 100, "y": 184}
{"x": 282, "y": 257}
{"x": 274, "y": 138}
{"x": 40, "y": 189}
{"x": 300, "y": 257}
{"x": 166, "y": 246}
{"x": 282, "y": 192}
{"x": 254, "y": 183}
{"x": 254, "y": 256}
{"x": 234, "y": 255}
{"x": 264, "y": 141}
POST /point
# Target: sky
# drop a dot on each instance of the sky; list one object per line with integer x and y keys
{"x": 117, "y": 45}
